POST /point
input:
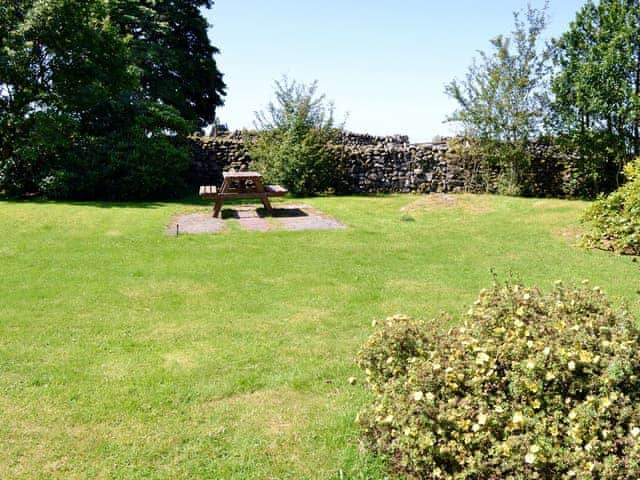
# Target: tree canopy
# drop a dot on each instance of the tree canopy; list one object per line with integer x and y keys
{"x": 581, "y": 91}
{"x": 293, "y": 137}
{"x": 296, "y": 104}
{"x": 97, "y": 97}
{"x": 597, "y": 86}
{"x": 170, "y": 45}
{"x": 503, "y": 98}
{"x": 503, "y": 94}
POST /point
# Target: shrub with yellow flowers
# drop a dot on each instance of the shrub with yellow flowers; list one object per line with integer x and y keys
{"x": 391, "y": 348}
{"x": 530, "y": 385}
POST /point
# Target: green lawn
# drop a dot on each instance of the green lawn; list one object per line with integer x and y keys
{"x": 125, "y": 353}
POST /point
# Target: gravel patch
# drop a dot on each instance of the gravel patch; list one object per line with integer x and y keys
{"x": 195, "y": 223}
{"x": 310, "y": 223}
{"x": 255, "y": 218}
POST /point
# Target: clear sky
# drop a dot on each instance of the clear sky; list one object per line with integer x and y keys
{"x": 383, "y": 63}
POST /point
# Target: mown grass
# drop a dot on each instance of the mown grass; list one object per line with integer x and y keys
{"x": 127, "y": 353}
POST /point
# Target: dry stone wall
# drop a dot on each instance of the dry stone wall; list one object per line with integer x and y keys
{"x": 389, "y": 166}
{"x": 392, "y": 164}
{"x": 214, "y": 155}
{"x": 371, "y": 164}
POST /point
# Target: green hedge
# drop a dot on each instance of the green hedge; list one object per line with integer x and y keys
{"x": 615, "y": 219}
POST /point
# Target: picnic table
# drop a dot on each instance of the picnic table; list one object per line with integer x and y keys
{"x": 241, "y": 185}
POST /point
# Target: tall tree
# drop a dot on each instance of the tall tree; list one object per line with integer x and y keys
{"x": 502, "y": 99}
{"x": 298, "y": 105}
{"x": 172, "y": 49}
{"x": 91, "y": 109}
{"x": 503, "y": 95}
{"x": 597, "y": 86}
{"x": 60, "y": 63}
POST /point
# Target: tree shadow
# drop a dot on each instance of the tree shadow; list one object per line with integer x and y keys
{"x": 261, "y": 212}
{"x": 190, "y": 200}
{"x": 283, "y": 212}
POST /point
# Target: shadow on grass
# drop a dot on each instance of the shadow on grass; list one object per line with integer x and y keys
{"x": 190, "y": 200}
{"x": 261, "y": 212}
{"x": 193, "y": 200}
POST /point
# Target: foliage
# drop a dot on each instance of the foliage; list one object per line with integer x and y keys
{"x": 80, "y": 116}
{"x": 389, "y": 351}
{"x": 593, "y": 168}
{"x": 554, "y": 169}
{"x": 590, "y": 103}
{"x": 615, "y": 219}
{"x": 531, "y": 385}
{"x": 502, "y": 100}
{"x": 171, "y": 47}
{"x": 294, "y": 133}
{"x": 297, "y": 106}
{"x": 597, "y": 85}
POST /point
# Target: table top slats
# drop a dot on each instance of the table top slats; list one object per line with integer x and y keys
{"x": 208, "y": 189}
{"x": 242, "y": 175}
{"x": 275, "y": 190}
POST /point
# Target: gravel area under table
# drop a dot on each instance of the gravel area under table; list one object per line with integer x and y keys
{"x": 256, "y": 218}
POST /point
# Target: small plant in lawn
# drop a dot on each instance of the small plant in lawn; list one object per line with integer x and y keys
{"x": 532, "y": 384}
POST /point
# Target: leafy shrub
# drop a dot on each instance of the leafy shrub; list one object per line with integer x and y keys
{"x": 142, "y": 155}
{"x": 594, "y": 163}
{"x": 293, "y": 144}
{"x": 508, "y": 185}
{"x": 299, "y": 160}
{"x": 616, "y": 218}
{"x": 389, "y": 350}
{"x": 531, "y": 385}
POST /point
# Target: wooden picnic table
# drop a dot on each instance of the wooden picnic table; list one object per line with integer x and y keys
{"x": 241, "y": 185}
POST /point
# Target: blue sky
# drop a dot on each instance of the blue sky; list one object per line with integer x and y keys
{"x": 384, "y": 64}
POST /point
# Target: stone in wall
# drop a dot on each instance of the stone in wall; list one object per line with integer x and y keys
{"x": 212, "y": 156}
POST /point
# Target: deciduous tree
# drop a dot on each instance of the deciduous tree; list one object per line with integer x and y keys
{"x": 503, "y": 98}
{"x": 95, "y": 96}
{"x": 293, "y": 137}
{"x": 597, "y": 85}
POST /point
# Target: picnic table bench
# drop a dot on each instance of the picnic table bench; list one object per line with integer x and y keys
{"x": 241, "y": 185}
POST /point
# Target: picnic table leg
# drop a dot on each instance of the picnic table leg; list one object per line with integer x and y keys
{"x": 219, "y": 199}
{"x": 265, "y": 200}
{"x": 218, "y": 207}
{"x": 267, "y": 204}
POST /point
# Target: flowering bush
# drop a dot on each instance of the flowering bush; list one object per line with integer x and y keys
{"x": 531, "y": 385}
{"x": 391, "y": 348}
{"x": 616, "y": 218}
